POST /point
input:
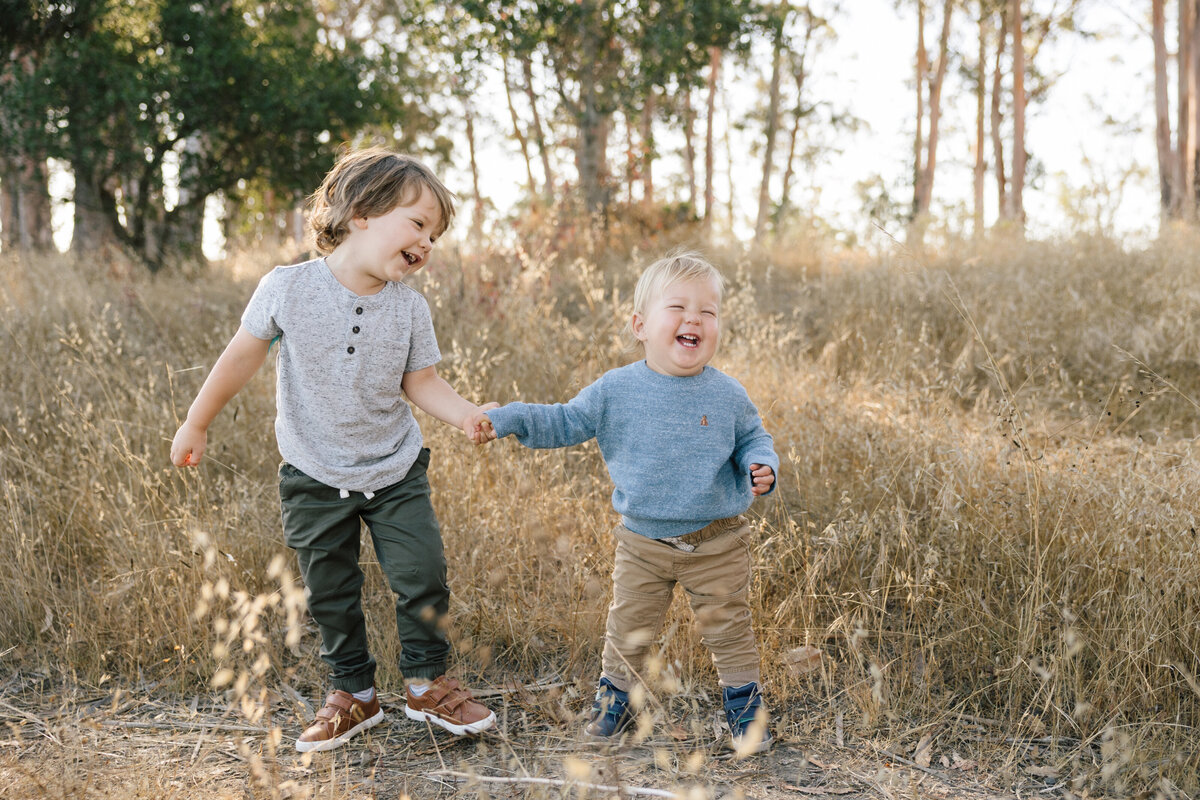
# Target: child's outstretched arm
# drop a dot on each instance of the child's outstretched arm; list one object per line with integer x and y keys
{"x": 244, "y": 354}
{"x": 548, "y": 426}
{"x": 437, "y": 398}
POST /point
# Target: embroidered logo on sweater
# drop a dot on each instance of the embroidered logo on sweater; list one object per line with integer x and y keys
{"x": 704, "y": 420}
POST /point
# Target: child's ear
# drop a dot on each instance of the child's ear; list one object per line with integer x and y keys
{"x": 359, "y": 222}
{"x": 638, "y": 325}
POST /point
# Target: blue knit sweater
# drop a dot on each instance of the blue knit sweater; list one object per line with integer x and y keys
{"x": 678, "y": 449}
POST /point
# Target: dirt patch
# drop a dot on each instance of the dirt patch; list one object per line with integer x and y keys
{"x": 69, "y": 743}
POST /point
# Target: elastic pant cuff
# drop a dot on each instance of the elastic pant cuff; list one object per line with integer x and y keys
{"x": 354, "y": 683}
{"x": 423, "y": 673}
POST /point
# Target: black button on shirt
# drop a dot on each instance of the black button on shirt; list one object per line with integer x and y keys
{"x": 350, "y": 350}
{"x": 358, "y": 310}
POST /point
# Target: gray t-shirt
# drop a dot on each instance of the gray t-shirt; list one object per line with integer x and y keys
{"x": 341, "y": 416}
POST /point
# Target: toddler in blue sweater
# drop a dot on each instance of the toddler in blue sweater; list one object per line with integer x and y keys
{"x": 687, "y": 454}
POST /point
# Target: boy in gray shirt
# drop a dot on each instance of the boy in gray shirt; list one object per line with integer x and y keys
{"x": 352, "y": 338}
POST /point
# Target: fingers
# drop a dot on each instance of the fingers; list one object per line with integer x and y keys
{"x": 478, "y": 427}
{"x": 484, "y": 432}
{"x": 762, "y": 479}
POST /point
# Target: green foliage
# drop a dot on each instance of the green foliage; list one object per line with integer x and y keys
{"x": 233, "y": 92}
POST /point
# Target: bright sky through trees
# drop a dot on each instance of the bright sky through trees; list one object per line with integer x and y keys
{"x": 1090, "y": 139}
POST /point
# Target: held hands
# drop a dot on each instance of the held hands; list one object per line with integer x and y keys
{"x": 763, "y": 478}
{"x": 187, "y": 448}
{"x": 477, "y": 426}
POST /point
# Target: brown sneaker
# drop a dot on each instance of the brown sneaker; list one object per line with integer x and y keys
{"x": 342, "y": 717}
{"x": 448, "y": 704}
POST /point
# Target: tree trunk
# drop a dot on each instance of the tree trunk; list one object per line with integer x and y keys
{"x": 729, "y": 171}
{"x": 1018, "y": 168}
{"x": 539, "y": 135}
{"x": 798, "y": 74}
{"x": 476, "y": 232}
{"x": 789, "y": 171}
{"x": 297, "y": 220}
{"x": 1194, "y": 87}
{"x": 764, "y": 189}
{"x": 10, "y": 207}
{"x": 918, "y": 138}
{"x": 1185, "y": 151}
{"x": 648, "y": 149}
{"x": 1162, "y": 114}
{"x": 182, "y": 231}
{"x": 631, "y": 161}
{"x": 689, "y": 148}
{"x": 92, "y": 231}
{"x": 935, "y": 111}
{"x": 25, "y": 205}
{"x": 714, "y": 68}
{"x": 998, "y": 119}
{"x": 980, "y": 103}
{"x": 593, "y": 114}
{"x": 517, "y": 132}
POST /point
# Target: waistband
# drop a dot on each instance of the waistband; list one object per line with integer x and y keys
{"x": 712, "y": 530}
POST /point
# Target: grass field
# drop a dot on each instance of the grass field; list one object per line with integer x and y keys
{"x": 985, "y": 523}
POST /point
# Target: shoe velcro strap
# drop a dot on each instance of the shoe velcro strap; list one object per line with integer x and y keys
{"x": 442, "y": 688}
{"x": 450, "y": 696}
{"x": 334, "y": 704}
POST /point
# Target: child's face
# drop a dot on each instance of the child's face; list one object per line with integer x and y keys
{"x": 680, "y": 327}
{"x": 398, "y": 243}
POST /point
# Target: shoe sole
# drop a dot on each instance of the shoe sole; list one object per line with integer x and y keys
{"x": 456, "y": 729}
{"x": 761, "y": 747}
{"x": 613, "y": 738}
{"x": 329, "y": 744}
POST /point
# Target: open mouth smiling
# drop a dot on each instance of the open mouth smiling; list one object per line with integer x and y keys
{"x": 411, "y": 258}
{"x": 688, "y": 340}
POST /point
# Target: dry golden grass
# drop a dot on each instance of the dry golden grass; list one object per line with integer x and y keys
{"x": 986, "y": 519}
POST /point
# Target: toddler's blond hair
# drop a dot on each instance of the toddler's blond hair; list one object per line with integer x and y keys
{"x": 370, "y": 183}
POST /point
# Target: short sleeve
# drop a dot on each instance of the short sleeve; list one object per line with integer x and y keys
{"x": 259, "y": 316}
{"x": 423, "y": 350}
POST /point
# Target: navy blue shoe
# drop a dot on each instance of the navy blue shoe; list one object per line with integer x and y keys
{"x": 743, "y": 704}
{"x": 610, "y": 713}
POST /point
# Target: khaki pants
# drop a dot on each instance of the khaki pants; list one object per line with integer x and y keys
{"x": 715, "y": 577}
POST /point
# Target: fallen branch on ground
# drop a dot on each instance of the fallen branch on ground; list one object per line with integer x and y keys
{"x": 624, "y": 790}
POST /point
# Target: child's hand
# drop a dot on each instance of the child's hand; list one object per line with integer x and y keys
{"x": 187, "y": 448}
{"x": 763, "y": 478}
{"x": 478, "y": 427}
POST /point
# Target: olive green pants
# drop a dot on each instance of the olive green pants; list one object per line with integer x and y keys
{"x": 324, "y": 530}
{"x": 715, "y": 576}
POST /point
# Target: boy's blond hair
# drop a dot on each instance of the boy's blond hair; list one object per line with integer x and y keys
{"x": 370, "y": 183}
{"x": 681, "y": 265}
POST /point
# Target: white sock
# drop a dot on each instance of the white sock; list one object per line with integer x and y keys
{"x": 366, "y": 695}
{"x": 418, "y": 689}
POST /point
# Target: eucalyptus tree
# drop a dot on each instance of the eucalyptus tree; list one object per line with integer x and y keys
{"x": 928, "y": 113}
{"x": 1178, "y": 151}
{"x": 1025, "y": 28}
{"x": 609, "y": 57}
{"x": 796, "y": 33}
